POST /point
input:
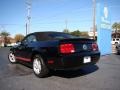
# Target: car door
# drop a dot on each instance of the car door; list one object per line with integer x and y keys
{"x": 25, "y": 49}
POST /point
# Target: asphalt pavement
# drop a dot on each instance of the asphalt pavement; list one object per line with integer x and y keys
{"x": 105, "y": 75}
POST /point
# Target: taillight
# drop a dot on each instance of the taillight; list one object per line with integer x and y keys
{"x": 67, "y": 48}
{"x": 94, "y": 47}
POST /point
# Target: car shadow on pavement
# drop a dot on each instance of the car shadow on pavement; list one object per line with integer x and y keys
{"x": 75, "y": 73}
{"x": 16, "y": 70}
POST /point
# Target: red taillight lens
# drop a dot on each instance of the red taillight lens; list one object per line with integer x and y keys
{"x": 67, "y": 48}
{"x": 94, "y": 47}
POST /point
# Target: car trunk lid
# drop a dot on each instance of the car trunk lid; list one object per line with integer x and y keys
{"x": 77, "y": 45}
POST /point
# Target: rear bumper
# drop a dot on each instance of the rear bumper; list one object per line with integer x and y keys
{"x": 73, "y": 61}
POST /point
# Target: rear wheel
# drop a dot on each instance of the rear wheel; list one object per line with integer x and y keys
{"x": 118, "y": 52}
{"x": 39, "y": 67}
{"x": 11, "y": 57}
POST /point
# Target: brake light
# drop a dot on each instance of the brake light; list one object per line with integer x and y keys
{"x": 94, "y": 47}
{"x": 67, "y": 48}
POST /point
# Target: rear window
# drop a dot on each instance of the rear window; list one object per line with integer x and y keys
{"x": 45, "y": 36}
{"x": 61, "y": 36}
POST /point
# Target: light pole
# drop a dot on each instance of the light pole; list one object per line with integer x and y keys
{"x": 94, "y": 18}
{"x": 29, "y": 4}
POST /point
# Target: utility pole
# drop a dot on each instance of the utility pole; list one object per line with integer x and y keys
{"x": 66, "y": 24}
{"x": 29, "y": 4}
{"x": 94, "y": 18}
{"x": 26, "y": 28}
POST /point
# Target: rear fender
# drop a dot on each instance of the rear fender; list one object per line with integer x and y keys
{"x": 36, "y": 52}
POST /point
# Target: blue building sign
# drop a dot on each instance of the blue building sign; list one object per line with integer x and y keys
{"x": 104, "y": 29}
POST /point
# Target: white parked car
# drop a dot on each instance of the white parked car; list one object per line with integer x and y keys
{"x": 12, "y": 44}
{"x": 115, "y": 41}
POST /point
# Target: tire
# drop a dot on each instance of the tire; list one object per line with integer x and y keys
{"x": 39, "y": 67}
{"x": 11, "y": 58}
{"x": 118, "y": 52}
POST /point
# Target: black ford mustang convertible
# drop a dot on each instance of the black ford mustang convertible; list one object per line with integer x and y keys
{"x": 54, "y": 50}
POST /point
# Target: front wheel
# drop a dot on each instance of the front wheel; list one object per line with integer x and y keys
{"x": 11, "y": 58}
{"x": 39, "y": 67}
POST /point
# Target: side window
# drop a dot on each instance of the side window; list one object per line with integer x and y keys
{"x": 31, "y": 38}
{"x": 25, "y": 41}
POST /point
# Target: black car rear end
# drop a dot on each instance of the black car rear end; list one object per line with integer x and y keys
{"x": 75, "y": 53}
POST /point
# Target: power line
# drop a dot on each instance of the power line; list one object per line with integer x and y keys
{"x": 65, "y": 13}
{"x": 5, "y": 24}
{"x": 114, "y": 6}
{"x": 66, "y": 24}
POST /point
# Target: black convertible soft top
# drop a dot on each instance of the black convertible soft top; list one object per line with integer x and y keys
{"x": 52, "y": 35}
{"x": 42, "y": 36}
